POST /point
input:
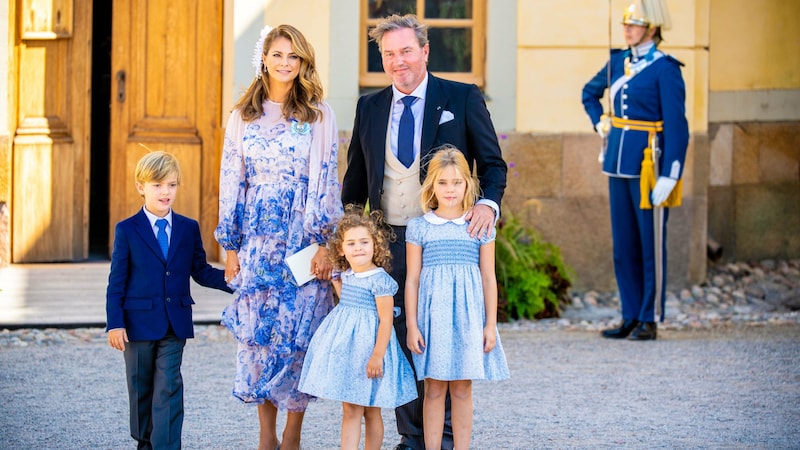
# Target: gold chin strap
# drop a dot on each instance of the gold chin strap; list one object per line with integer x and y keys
{"x": 648, "y": 177}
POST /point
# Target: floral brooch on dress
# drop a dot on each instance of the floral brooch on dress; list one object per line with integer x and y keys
{"x": 300, "y": 127}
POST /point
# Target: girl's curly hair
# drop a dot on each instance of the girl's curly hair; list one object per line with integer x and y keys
{"x": 381, "y": 232}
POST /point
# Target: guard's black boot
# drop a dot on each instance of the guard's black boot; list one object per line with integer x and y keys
{"x": 621, "y": 332}
{"x": 646, "y": 331}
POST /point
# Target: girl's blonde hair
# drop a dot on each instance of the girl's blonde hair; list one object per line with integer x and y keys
{"x": 306, "y": 90}
{"x": 157, "y": 166}
{"x": 444, "y": 157}
{"x": 382, "y": 234}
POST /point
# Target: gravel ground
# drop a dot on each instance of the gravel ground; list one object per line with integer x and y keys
{"x": 734, "y": 385}
{"x": 723, "y": 374}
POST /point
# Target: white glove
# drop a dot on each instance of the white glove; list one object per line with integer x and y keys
{"x": 602, "y": 128}
{"x": 662, "y": 189}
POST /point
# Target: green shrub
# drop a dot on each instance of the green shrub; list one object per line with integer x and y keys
{"x": 532, "y": 278}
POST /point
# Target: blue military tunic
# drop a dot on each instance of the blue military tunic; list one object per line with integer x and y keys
{"x": 654, "y": 94}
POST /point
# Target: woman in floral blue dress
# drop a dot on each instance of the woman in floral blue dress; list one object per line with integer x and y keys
{"x": 279, "y": 193}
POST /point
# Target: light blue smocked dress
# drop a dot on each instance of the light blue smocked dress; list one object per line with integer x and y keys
{"x": 336, "y": 363}
{"x": 279, "y": 192}
{"x": 450, "y": 310}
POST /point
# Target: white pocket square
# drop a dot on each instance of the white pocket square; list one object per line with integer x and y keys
{"x": 447, "y": 116}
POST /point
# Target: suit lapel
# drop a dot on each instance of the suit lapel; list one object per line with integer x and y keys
{"x": 178, "y": 227}
{"x": 145, "y": 230}
{"x": 435, "y": 104}
{"x": 379, "y": 109}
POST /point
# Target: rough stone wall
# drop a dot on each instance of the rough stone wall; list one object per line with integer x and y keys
{"x": 562, "y": 173}
{"x": 754, "y": 189}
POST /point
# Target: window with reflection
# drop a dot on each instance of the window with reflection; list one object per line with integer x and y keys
{"x": 455, "y": 31}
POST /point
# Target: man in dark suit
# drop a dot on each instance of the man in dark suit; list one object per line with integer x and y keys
{"x": 148, "y": 303}
{"x": 387, "y": 154}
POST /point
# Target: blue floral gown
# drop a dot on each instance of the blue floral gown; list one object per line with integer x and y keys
{"x": 279, "y": 192}
{"x": 336, "y": 363}
{"x": 450, "y": 311}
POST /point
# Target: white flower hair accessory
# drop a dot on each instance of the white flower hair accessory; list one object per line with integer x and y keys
{"x": 257, "y": 61}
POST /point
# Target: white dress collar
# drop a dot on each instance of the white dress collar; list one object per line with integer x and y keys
{"x": 431, "y": 217}
{"x": 364, "y": 274}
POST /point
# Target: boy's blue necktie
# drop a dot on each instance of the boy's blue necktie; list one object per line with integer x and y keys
{"x": 405, "y": 133}
{"x": 163, "y": 239}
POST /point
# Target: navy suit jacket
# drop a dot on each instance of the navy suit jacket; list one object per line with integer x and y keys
{"x": 471, "y": 131}
{"x": 146, "y": 293}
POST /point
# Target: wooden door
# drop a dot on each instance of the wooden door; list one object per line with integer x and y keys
{"x": 166, "y": 67}
{"x": 50, "y": 84}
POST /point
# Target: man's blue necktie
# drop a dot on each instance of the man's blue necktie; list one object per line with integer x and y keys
{"x": 163, "y": 239}
{"x": 405, "y": 133}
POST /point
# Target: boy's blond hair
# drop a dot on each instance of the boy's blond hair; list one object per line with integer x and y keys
{"x": 157, "y": 166}
{"x": 442, "y": 158}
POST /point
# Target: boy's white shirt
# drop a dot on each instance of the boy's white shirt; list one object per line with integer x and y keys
{"x": 152, "y": 218}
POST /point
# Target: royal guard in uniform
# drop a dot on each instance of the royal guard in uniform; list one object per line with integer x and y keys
{"x": 645, "y": 135}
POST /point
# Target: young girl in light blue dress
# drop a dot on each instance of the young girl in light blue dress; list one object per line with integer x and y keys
{"x": 354, "y": 356}
{"x": 451, "y": 299}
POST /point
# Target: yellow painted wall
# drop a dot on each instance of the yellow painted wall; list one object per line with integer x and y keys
{"x": 755, "y": 45}
{"x": 563, "y": 44}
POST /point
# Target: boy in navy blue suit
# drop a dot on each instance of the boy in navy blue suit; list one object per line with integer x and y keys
{"x": 148, "y": 303}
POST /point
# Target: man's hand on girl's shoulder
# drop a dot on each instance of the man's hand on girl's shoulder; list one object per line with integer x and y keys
{"x": 481, "y": 220}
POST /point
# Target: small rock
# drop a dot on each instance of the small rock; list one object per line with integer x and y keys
{"x": 791, "y": 272}
{"x": 755, "y": 291}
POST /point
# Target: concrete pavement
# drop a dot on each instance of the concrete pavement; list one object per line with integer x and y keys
{"x": 74, "y": 294}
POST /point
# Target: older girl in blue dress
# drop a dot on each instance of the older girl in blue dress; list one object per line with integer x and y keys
{"x": 451, "y": 299}
{"x": 354, "y": 356}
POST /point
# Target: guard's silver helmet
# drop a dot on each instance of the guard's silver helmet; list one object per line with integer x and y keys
{"x": 648, "y": 13}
